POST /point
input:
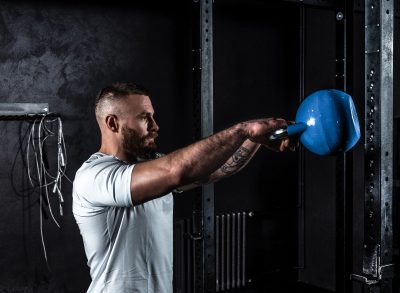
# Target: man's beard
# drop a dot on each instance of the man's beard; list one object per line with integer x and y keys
{"x": 135, "y": 145}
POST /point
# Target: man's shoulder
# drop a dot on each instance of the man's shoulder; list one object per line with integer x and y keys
{"x": 100, "y": 158}
{"x": 96, "y": 172}
{"x": 97, "y": 162}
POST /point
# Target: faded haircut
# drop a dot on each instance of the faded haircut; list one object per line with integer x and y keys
{"x": 118, "y": 91}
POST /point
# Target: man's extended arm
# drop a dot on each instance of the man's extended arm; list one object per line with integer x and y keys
{"x": 197, "y": 161}
{"x": 233, "y": 165}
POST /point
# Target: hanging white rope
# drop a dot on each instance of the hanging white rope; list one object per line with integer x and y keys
{"x": 42, "y": 130}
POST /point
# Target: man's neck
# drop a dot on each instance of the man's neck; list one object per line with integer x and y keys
{"x": 127, "y": 157}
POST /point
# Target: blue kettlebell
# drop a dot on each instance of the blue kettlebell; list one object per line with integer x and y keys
{"x": 327, "y": 123}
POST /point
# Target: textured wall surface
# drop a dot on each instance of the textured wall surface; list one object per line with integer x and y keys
{"x": 63, "y": 54}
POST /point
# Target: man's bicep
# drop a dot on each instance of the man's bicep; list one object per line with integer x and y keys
{"x": 152, "y": 179}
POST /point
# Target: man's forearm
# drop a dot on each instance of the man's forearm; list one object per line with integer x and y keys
{"x": 202, "y": 158}
{"x": 234, "y": 164}
{"x": 237, "y": 161}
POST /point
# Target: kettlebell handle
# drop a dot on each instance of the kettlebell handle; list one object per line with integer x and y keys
{"x": 289, "y": 131}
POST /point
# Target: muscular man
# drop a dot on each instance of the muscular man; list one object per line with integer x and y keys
{"x": 122, "y": 195}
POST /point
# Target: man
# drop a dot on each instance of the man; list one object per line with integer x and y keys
{"x": 122, "y": 198}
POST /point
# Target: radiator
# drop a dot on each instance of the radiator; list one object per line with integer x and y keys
{"x": 183, "y": 257}
{"x": 230, "y": 253}
{"x": 230, "y": 246}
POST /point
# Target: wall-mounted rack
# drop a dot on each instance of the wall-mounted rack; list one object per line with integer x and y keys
{"x": 25, "y": 111}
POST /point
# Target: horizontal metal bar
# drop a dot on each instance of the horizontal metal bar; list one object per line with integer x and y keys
{"x": 17, "y": 109}
{"x": 363, "y": 279}
{"x": 28, "y": 117}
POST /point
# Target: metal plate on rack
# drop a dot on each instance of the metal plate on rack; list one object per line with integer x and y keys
{"x": 16, "y": 109}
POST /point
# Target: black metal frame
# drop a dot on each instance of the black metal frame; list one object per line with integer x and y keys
{"x": 343, "y": 161}
{"x": 301, "y": 160}
{"x": 377, "y": 268}
{"x": 377, "y": 259}
{"x": 203, "y": 213}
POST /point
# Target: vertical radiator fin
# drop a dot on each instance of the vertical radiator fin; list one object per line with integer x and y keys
{"x": 230, "y": 253}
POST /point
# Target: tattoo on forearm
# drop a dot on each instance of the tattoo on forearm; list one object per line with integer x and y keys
{"x": 233, "y": 165}
{"x": 238, "y": 160}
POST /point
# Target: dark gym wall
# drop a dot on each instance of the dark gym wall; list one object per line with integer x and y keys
{"x": 62, "y": 54}
{"x": 319, "y": 175}
{"x": 255, "y": 76}
{"x": 256, "y": 73}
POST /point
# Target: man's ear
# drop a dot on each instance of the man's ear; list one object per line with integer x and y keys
{"x": 112, "y": 122}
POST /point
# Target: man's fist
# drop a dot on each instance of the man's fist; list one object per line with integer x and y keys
{"x": 259, "y": 131}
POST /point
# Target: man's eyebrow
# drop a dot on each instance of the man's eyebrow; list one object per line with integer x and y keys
{"x": 145, "y": 113}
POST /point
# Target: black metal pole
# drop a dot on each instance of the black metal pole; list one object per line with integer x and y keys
{"x": 203, "y": 212}
{"x": 343, "y": 161}
{"x": 377, "y": 260}
{"x": 301, "y": 193}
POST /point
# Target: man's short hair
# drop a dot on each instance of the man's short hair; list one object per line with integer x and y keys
{"x": 118, "y": 91}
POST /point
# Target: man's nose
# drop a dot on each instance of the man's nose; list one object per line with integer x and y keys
{"x": 153, "y": 125}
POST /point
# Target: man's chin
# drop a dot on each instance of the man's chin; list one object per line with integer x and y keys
{"x": 150, "y": 150}
{"x": 151, "y": 145}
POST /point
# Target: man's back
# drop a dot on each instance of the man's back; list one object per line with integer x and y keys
{"x": 129, "y": 248}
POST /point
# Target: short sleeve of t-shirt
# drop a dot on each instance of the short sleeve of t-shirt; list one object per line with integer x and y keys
{"x": 103, "y": 181}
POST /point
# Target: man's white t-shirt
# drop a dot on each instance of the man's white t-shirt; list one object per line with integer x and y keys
{"x": 128, "y": 248}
